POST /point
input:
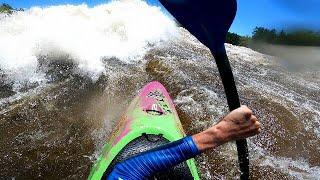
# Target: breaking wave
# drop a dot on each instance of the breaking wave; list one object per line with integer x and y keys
{"x": 82, "y": 35}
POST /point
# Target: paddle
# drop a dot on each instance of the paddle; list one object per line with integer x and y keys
{"x": 209, "y": 21}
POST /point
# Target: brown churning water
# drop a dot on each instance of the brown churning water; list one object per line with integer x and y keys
{"x": 54, "y": 125}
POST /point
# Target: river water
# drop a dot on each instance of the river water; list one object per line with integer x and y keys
{"x": 68, "y": 72}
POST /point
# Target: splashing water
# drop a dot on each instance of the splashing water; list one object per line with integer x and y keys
{"x": 73, "y": 70}
{"x": 121, "y": 29}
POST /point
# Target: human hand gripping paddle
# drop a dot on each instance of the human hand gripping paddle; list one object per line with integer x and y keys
{"x": 209, "y": 21}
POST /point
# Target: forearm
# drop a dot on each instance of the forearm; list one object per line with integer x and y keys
{"x": 208, "y": 139}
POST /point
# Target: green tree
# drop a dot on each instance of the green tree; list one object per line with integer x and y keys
{"x": 296, "y": 37}
{"x": 6, "y": 8}
{"x": 264, "y": 35}
{"x": 233, "y": 38}
{"x": 245, "y": 41}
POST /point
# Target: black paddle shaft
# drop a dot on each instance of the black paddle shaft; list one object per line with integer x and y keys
{"x": 233, "y": 103}
{"x": 209, "y": 21}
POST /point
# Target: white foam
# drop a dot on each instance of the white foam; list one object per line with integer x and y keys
{"x": 119, "y": 29}
{"x": 298, "y": 169}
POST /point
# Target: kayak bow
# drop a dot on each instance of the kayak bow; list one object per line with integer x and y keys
{"x": 150, "y": 121}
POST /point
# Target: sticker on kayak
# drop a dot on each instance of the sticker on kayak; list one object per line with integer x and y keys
{"x": 159, "y": 105}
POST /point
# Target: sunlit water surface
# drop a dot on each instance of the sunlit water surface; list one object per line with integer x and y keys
{"x": 68, "y": 72}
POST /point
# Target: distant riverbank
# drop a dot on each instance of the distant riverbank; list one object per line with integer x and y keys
{"x": 295, "y": 58}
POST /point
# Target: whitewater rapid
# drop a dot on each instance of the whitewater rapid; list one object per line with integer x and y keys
{"x": 68, "y": 72}
{"x": 121, "y": 29}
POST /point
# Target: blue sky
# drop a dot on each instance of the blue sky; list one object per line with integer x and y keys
{"x": 251, "y": 13}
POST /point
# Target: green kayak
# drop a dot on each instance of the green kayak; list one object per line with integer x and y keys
{"x": 150, "y": 121}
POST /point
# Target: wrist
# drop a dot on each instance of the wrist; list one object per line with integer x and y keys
{"x": 207, "y": 139}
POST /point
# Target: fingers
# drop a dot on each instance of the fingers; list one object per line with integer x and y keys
{"x": 251, "y": 124}
{"x": 256, "y": 128}
{"x": 255, "y": 123}
{"x": 241, "y": 123}
{"x": 253, "y": 130}
{"x": 247, "y": 112}
{"x": 253, "y": 119}
{"x": 259, "y": 131}
{"x": 253, "y": 133}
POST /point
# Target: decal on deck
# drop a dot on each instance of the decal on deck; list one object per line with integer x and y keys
{"x": 160, "y": 106}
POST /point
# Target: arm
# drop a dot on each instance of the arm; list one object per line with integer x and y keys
{"x": 238, "y": 124}
{"x": 146, "y": 164}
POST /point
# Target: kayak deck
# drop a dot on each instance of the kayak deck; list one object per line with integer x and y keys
{"x": 151, "y": 113}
